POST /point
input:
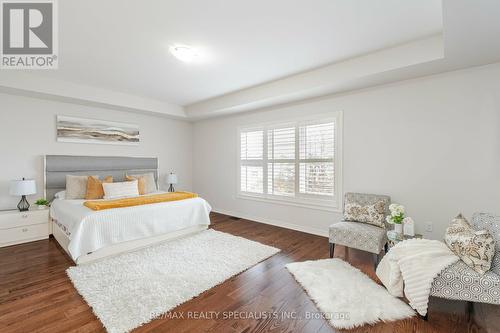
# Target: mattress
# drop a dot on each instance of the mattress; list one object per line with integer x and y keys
{"x": 90, "y": 230}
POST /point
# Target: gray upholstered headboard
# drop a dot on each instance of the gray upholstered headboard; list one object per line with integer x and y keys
{"x": 58, "y": 166}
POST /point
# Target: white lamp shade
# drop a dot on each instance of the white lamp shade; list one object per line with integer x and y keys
{"x": 172, "y": 178}
{"x": 22, "y": 187}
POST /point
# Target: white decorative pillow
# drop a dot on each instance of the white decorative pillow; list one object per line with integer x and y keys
{"x": 149, "y": 181}
{"x": 371, "y": 214}
{"x": 76, "y": 187}
{"x": 120, "y": 190}
{"x": 60, "y": 195}
{"x": 475, "y": 248}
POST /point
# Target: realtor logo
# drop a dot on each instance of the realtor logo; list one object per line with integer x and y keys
{"x": 29, "y": 34}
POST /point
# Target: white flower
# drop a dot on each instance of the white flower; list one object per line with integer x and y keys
{"x": 388, "y": 219}
{"x": 396, "y": 209}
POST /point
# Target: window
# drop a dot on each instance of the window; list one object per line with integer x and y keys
{"x": 252, "y": 157}
{"x": 294, "y": 162}
{"x": 281, "y": 161}
{"x": 317, "y": 147}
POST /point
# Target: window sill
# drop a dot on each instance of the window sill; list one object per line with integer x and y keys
{"x": 326, "y": 206}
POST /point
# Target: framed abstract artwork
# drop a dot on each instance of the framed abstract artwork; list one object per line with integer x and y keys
{"x": 83, "y": 130}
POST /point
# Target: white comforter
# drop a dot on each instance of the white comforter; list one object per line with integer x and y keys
{"x": 92, "y": 230}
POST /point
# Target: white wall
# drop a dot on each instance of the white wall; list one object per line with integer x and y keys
{"x": 27, "y": 132}
{"x": 432, "y": 143}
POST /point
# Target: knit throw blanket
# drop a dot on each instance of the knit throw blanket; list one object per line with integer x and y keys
{"x": 140, "y": 200}
{"x": 411, "y": 266}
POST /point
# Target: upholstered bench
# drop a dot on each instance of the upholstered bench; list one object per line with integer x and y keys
{"x": 461, "y": 282}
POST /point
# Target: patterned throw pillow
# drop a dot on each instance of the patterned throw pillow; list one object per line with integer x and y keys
{"x": 475, "y": 248}
{"x": 371, "y": 214}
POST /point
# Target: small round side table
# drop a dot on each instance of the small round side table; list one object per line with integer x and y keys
{"x": 394, "y": 238}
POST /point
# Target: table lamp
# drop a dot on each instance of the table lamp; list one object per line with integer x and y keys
{"x": 172, "y": 180}
{"x": 23, "y": 188}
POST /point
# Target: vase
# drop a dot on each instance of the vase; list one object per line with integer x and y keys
{"x": 398, "y": 228}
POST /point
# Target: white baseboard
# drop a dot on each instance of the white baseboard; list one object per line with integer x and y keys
{"x": 277, "y": 223}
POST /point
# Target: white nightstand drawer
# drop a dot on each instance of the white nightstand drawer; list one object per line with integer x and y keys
{"x": 13, "y": 219}
{"x": 27, "y": 233}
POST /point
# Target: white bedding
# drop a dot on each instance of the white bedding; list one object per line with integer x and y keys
{"x": 92, "y": 230}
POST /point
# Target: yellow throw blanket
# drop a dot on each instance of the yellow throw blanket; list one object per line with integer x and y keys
{"x": 137, "y": 201}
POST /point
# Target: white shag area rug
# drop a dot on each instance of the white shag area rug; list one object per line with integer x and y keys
{"x": 346, "y": 296}
{"x": 132, "y": 289}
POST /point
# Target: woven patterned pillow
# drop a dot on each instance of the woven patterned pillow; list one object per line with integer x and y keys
{"x": 491, "y": 223}
{"x": 475, "y": 248}
{"x": 371, "y": 214}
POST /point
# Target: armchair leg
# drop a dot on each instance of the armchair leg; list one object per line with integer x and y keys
{"x": 375, "y": 261}
{"x": 469, "y": 309}
{"x": 332, "y": 248}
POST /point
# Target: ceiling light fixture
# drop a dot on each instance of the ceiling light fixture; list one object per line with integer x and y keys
{"x": 184, "y": 53}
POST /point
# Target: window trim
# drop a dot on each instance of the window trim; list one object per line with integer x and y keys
{"x": 301, "y": 200}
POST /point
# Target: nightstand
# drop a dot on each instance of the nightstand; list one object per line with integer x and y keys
{"x": 21, "y": 227}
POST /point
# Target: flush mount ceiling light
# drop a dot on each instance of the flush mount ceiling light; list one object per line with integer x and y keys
{"x": 184, "y": 53}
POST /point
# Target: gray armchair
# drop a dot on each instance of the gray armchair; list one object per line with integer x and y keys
{"x": 460, "y": 282}
{"x": 358, "y": 235}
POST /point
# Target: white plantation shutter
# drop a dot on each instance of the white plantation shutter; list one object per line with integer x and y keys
{"x": 251, "y": 145}
{"x": 291, "y": 162}
{"x": 316, "y": 165}
{"x": 281, "y": 161}
{"x": 252, "y": 179}
{"x": 251, "y": 161}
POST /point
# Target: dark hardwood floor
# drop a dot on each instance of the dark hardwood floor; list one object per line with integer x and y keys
{"x": 37, "y": 296}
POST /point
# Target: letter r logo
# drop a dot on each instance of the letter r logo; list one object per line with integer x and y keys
{"x": 27, "y": 27}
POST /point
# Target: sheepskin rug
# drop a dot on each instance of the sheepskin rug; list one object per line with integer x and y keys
{"x": 132, "y": 289}
{"x": 345, "y": 295}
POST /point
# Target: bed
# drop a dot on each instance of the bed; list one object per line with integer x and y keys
{"x": 88, "y": 235}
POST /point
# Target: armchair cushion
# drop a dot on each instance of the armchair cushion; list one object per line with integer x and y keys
{"x": 491, "y": 223}
{"x": 372, "y": 214}
{"x": 364, "y": 199}
{"x": 460, "y": 282}
{"x": 475, "y": 247}
{"x": 357, "y": 235}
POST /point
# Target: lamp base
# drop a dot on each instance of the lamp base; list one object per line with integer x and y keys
{"x": 171, "y": 188}
{"x": 23, "y": 205}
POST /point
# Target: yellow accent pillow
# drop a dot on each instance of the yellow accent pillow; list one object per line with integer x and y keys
{"x": 94, "y": 187}
{"x": 141, "y": 183}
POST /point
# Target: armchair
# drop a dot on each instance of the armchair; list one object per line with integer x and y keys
{"x": 358, "y": 235}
